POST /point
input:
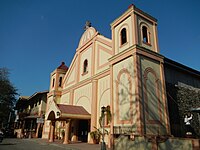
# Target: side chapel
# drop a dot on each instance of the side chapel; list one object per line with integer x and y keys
{"x": 124, "y": 73}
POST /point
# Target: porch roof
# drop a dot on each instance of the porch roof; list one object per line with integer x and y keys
{"x": 72, "y": 111}
{"x": 62, "y": 112}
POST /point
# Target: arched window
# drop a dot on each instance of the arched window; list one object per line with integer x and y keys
{"x": 152, "y": 96}
{"x": 123, "y": 36}
{"x": 124, "y": 97}
{"x": 60, "y": 81}
{"x": 85, "y": 66}
{"x": 53, "y": 82}
{"x": 145, "y": 34}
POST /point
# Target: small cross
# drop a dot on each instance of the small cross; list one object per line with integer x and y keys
{"x": 87, "y": 25}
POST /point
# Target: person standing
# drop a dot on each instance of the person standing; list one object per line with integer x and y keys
{"x": 187, "y": 119}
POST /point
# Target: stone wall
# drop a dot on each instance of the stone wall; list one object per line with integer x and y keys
{"x": 180, "y": 101}
{"x": 149, "y": 143}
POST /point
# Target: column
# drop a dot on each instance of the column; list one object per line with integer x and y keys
{"x": 49, "y": 131}
{"x": 52, "y": 128}
{"x": 30, "y": 132}
{"x": 93, "y": 108}
{"x": 66, "y": 138}
{"x": 111, "y": 137}
{"x": 23, "y": 131}
{"x": 37, "y": 130}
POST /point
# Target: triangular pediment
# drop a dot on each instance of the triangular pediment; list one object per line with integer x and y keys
{"x": 90, "y": 42}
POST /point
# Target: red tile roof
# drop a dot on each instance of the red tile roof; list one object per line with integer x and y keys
{"x": 63, "y": 66}
{"x": 71, "y": 109}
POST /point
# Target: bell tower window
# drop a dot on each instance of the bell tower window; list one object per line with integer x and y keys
{"x": 60, "y": 81}
{"x": 123, "y": 36}
{"x": 145, "y": 37}
{"x": 85, "y": 66}
{"x": 53, "y": 82}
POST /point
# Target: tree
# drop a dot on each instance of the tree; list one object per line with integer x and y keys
{"x": 8, "y": 95}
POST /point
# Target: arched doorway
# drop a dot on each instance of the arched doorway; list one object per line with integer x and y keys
{"x": 51, "y": 117}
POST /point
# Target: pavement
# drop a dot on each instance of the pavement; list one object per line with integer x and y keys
{"x": 71, "y": 146}
{"x": 43, "y": 144}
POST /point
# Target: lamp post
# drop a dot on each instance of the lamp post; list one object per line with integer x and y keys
{"x": 103, "y": 144}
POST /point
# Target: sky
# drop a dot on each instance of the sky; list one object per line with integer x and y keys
{"x": 37, "y": 35}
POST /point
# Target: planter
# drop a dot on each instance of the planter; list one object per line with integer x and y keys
{"x": 96, "y": 141}
{"x": 95, "y": 135}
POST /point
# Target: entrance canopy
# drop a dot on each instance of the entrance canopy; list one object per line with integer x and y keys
{"x": 71, "y": 111}
{"x": 61, "y": 111}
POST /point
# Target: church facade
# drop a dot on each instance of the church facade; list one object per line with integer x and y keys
{"x": 124, "y": 74}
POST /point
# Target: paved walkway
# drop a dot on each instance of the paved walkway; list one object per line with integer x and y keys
{"x": 71, "y": 146}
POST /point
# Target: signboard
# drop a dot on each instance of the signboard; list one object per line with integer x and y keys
{"x": 40, "y": 120}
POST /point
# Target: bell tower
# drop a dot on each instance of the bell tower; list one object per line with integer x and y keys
{"x": 137, "y": 71}
{"x": 56, "y": 81}
{"x": 134, "y": 27}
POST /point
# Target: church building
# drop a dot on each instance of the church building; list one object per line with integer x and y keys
{"x": 124, "y": 74}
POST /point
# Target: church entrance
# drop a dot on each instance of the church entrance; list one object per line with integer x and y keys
{"x": 83, "y": 130}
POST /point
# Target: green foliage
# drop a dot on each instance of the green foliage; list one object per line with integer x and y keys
{"x": 7, "y": 95}
{"x": 97, "y": 133}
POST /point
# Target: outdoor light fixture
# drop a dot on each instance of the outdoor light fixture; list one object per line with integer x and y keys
{"x": 103, "y": 144}
{"x": 58, "y": 113}
{"x": 103, "y": 109}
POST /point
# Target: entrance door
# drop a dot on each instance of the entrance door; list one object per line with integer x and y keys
{"x": 83, "y": 130}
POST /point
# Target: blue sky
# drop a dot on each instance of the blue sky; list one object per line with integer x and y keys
{"x": 37, "y": 35}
